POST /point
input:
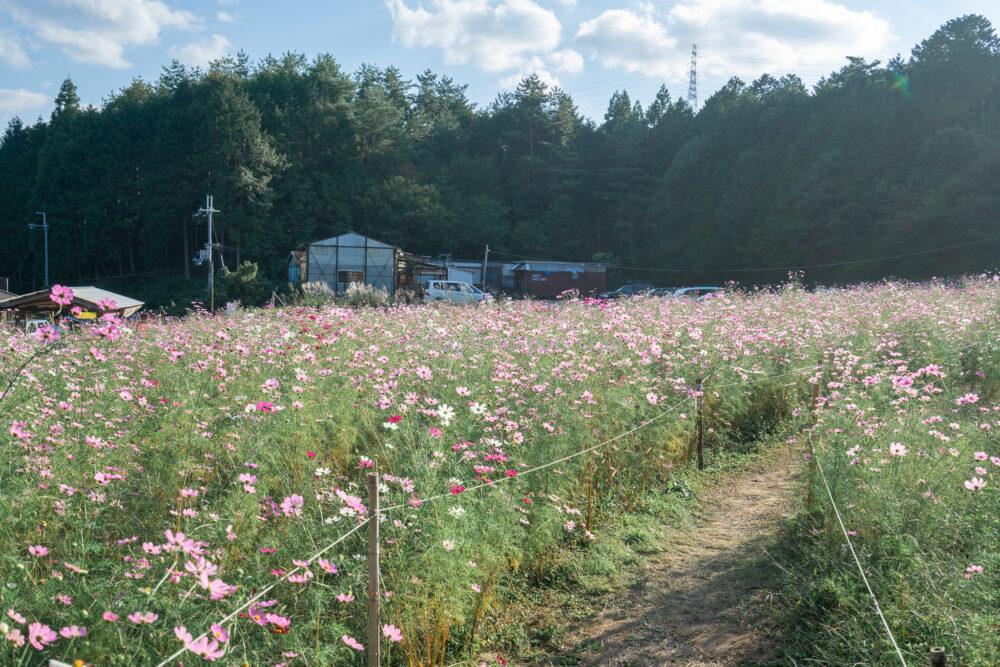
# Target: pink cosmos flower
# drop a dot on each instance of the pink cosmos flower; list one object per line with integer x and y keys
{"x": 279, "y": 622}
{"x": 897, "y": 449}
{"x": 980, "y": 456}
{"x": 46, "y": 334}
{"x": 967, "y": 399}
{"x": 110, "y": 616}
{"x": 975, "y": 484}
{"x": 71, "y": 631}
{"x": 140, "y": 617}
{"x": 220, "y": 633}
{"x": 61, "y": 294}
{"x": 345, "y": 597}
{"x": 352, "y": 642}
{"x": 365, "y": 462}
{"x": 40, "y": 635}
{"x": 107, "y": 304}
{"x": 204, "y": 647}
{"x": 392, "y": 633}
{"x": 38, "y": 550}
{"x": 434, "y": 432}
{"x": 292, "y": 505}
{"x": 652, "y": 398}
{"x": 16, "y": 638}
{"x": 265, "y": 406}
{"x": 218, "y": 589}
{"x": 300, "y": 578}
{"x": 16, "y": 617}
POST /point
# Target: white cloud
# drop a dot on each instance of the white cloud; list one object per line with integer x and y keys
{"x": 11, "y": 50}
{"x": 743, "y": 37}
{"x": 532, "y": 66}
{"x": 17, "y": 100}
{"x": 225, "y": 17}
{"x": 97, "y": 31}
{"x": 566, "y": 60}
{"x": 203, "y": 51}
{"x": 624, "y": 39}
{"x": 494, "y": 36}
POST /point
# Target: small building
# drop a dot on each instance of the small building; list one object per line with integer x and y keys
{"x": 547, "y": 280}
{"x": 354, "y": 258}
{"x": 40, "y": 306}
{"x": 499, "y": 274}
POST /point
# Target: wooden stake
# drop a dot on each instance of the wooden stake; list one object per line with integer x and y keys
{"x": 938, "y": 657}
{"x": 374, "y": 631}
{"x": 701, "y": 424}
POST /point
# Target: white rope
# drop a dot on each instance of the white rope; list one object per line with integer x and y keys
{"x": 543, "y": 466}
{"x": 857, "y": 561}
{"x": 267, "y": 589}
{"x": 551, "y": 463}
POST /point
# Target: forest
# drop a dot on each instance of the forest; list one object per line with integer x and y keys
{"x": 875, "y": 160}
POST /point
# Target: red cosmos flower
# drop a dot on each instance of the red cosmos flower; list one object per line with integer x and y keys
{"x": 526, "y": 500}
{"x": 457, "y": 489}
{"x": 395, "y": 419}
{"x": 511, "y": 473}
{"x": 311, "y": 455}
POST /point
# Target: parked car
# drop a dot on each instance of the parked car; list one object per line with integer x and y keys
{"x": 455, "y": 292}
{"x": 697, "y": 293}
{"x": 663, "y": 291}
{"x": 628, "y": 289}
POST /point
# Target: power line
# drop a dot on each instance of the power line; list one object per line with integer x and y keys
{"x": 778, "y": 268}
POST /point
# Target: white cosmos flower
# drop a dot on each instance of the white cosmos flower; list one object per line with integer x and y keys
{"x": 445, "y": 413}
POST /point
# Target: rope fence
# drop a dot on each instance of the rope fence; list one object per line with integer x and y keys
{"x": 544, "y": 466}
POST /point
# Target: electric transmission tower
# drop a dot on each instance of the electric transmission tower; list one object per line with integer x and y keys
{"x": 693, "y": 78}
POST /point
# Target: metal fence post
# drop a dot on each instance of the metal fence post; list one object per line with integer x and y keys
{"x": 374, "y": 635}
{"x": 699, "y": 387}
{"x": 938, "y": 657}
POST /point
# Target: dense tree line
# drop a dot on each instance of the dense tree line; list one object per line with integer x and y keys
{"x": 875, "y": 160}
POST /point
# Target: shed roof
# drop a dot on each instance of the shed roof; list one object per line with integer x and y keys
{"x": 85, "y": 296}
{"x": 548, "y": 266}
{"x": 351, "y": 239}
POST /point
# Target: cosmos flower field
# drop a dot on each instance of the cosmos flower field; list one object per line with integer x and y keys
{"x": 155, "y": 478}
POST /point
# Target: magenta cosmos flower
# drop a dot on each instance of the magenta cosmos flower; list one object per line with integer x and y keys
{"x": 61, "y": 294}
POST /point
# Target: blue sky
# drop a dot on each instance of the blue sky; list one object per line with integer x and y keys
{"x": 589, "y": 48}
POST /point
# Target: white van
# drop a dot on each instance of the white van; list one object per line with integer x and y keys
{"x": 454, "y": 291}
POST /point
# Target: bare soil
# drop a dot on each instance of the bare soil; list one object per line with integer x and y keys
{"x": 696, "y": 602}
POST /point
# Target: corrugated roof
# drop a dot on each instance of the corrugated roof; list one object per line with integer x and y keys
{"x": 549, "y": 266}
{"x": 88, "y": 295}
{"x": 351, "y": 239}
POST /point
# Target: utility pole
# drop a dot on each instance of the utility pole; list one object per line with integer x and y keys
{"x": 208, "y": 253}
{"x": 486, "y": 258}
{"x": 45, "y": 233}
{"x": 693, "y": 79}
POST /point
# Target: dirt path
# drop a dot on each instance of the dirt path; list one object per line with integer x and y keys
{"x": 690, "y": 605}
